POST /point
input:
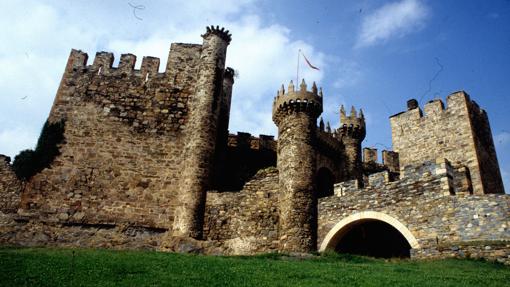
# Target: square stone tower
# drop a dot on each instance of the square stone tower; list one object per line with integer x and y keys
{"x": 459, "y": 133}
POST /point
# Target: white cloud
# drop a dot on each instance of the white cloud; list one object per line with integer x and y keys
{"x": 395, "y": 19}
{"x": 12, "y": 139}
{"x": 41, "y": 35}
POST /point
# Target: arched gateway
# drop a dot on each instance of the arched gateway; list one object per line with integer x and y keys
{"x": 370, "y": 233}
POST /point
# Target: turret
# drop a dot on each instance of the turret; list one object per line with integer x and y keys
{"x": 202, "y": 129}
{"x": 352, "y": 132}
{"x": 295, "y": 113}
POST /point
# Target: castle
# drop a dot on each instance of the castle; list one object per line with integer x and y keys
{"x": 147, "y": 162}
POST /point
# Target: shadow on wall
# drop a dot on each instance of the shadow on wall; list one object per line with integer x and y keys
{"x": 374, "y": 238}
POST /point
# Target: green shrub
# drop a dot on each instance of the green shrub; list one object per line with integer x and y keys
{"x": 29, "y": 162}
{"x": 24, "y": 164}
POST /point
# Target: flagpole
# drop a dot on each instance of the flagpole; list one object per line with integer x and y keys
{"x": 297, "y": 72}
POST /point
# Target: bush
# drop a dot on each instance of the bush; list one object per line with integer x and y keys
{"x": 29, "y": 162}
{"x": 24, "y": 164}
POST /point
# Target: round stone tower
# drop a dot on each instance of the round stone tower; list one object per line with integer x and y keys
{"x": 295, "y": 113}
{"x": 352, "y": 132}
{"x": 201, "y": 132}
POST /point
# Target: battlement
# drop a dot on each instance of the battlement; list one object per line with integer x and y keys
{"x": 103, "y": 65}
{"x": 183, "y": 60}
{"x": 327, "y": 139}
{"x": 455, "y": 102}
{"x": 246, "y": 140}
{"x": 389, "y": 159}
{"x": 369, "y": 154}
{"x": 220, "y": 32}
{"x": 442, "y": 177}
{"x": 458, "y": 131}
{"x": 298, "y": 100}
{"x": 353, "y": 125}
{"x": 354, "y": 119}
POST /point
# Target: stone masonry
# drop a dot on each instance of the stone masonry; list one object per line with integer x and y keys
{"x": 147, "y": 162}
{"x": 455, "y": 133}
{"x": 295, "y": 113}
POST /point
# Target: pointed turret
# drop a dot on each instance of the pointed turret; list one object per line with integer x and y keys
{"x": 353, "y": 112}
{"x": 352, "y": 132}
{"x": 302, "y": 87}
{"x": 314, "y": 88}
{"x": 321, "y": 125}
{"x": 291, "y": 86}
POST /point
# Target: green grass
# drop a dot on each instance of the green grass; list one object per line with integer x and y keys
{"x": 58, "y": 267}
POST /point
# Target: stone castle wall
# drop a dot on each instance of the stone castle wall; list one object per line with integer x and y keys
{"x": 10, "y": 187}
{"x": 444, "y": 219}
{"x": 453, "y": 133}
{"x": 121, "y": 159}
{"x": 245, "y": 221}
{"x": 148, "y": 163}
{"x": 244, "y": 156}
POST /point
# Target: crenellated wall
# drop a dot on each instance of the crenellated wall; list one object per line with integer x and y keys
{"x": 125, "y": 132}
{"x": 147, "y": 162}
{"x": 460, "y": 133}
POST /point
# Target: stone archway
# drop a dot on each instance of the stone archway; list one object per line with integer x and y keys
{"x": 351, "y": 224}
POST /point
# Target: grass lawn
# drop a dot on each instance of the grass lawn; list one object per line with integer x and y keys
{"x": 58, "y": 267}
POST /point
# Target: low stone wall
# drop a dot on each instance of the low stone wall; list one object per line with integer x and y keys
{"x": 10, "y": 187}
{"x": 18, "y": 231}
{"x": 498, "y": 251}
{"x": 245, "y": 221}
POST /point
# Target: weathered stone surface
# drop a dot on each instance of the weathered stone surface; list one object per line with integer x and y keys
{"x": 295, "y": 113}
{"x": 10, "y": 187}
{"x": 459, "y": 133}
{"x": 424, "y": 204}
{"x": 247, "y": 221}
{"x": 148, "y": 163}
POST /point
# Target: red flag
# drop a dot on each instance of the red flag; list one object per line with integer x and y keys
{"x": 308, "y": 62}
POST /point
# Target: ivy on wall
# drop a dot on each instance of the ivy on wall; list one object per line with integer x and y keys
{"x": 29, "y": 162}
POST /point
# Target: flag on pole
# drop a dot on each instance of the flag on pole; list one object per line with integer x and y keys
{"x": 308, "y": 62}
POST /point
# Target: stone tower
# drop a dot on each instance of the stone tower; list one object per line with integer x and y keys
{"x": 352, "y": 132}
{"x": 199, "y": 151}
{"x": 295, "y": 113}
{"x": 459, "y": 132}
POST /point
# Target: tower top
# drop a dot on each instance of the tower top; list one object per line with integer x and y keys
{"x": 298, "y": 100}
{"x": 220, "y": 32}
{"x": 352, "y": 125}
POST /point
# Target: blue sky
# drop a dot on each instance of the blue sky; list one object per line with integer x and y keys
{"x": 372, "y": 54}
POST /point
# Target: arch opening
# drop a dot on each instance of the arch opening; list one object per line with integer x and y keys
{"x": 373, "y": 238}
{"x": 370, "y": 233}
{"x": 325, "y": 181}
